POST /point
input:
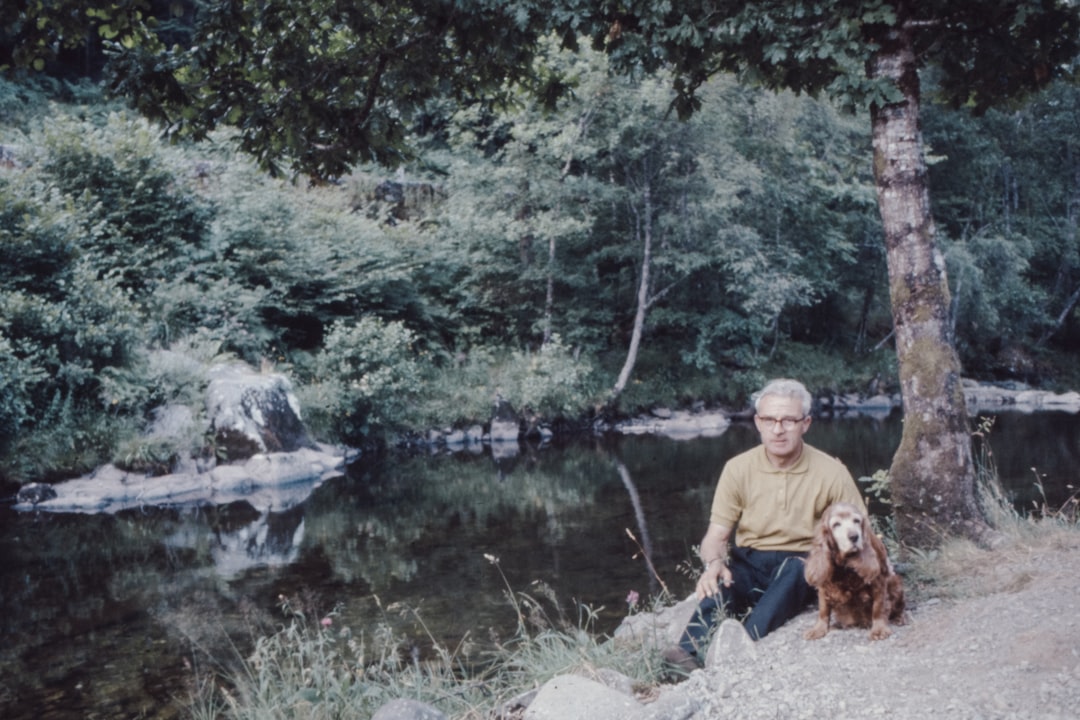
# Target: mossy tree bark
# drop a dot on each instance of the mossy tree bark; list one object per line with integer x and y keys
{"x": 932, "y": 477}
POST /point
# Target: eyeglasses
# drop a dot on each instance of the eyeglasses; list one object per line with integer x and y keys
{"x": 786, "y": 423}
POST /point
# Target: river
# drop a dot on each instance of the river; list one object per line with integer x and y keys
{"x": 113, "y": 616}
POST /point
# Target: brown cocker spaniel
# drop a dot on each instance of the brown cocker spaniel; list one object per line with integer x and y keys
{"x": 855, "y": 581}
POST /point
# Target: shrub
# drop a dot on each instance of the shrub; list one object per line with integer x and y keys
{"x": 549, "y": 382}
{"x": 365, "y": 376}
{"x": 17, "y": 379}
{"x": 65, "y": 440}
{"x": 139, "y": 223}
{"x": 69, "y": 342}
{"x": 64, "y": 323}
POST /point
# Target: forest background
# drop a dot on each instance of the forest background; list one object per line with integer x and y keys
{"x": 503, "y": 260}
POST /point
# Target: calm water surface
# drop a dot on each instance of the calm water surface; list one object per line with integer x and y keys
{"x": 102, "y": 615}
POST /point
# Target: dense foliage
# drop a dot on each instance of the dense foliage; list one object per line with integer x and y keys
{"x": 503, "y": 261}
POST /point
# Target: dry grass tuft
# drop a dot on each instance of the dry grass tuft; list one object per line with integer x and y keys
{"x": 960, "y": 568}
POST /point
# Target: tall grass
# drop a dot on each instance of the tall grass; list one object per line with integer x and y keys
{"x": 999, "y": 509}
{"x": 314, "y": 668}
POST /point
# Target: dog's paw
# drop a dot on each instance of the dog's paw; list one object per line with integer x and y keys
{"x": 879, "y": 631}
{"x": 817, "y": 632}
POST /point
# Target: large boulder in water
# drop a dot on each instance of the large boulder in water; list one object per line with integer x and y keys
{"x": 254, "y": 418}
{"x": 252, "y": 412}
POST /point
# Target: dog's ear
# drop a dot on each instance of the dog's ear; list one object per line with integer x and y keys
{"x": 880, "y": 551}
{"x": 819, "y": 563}
{"x": 825, "y": 532}
{"x": 872, "y": 561}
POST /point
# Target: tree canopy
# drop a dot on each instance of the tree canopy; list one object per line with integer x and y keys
{"x": 324, "y": 85}
{"x": 327, "y": 84}
{"x": 987, "y": 51}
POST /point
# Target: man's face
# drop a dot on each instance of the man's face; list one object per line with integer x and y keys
{"x": 781, "y": 422}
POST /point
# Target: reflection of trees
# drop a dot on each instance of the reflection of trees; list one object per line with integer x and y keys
{"x": 1050, "y": 456}
{"x": 642, "y": 525}
{"x": 370, "y": 528}
{"x": 76, "y": 589}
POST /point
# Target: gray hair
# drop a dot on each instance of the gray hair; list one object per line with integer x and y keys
{"x": 785, "y": 388}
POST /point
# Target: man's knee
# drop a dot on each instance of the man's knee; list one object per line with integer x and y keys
{"x": 791, "y": 577}
{"x": 787, "y": 595}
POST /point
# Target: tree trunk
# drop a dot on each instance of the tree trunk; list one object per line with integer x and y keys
{"x": 549, "y": 295}
{"x": 1061, "y": 318}
{"x": 644, "y": 225}
{"x": 1064, "y": 269}
{"x": 932, "y": 478}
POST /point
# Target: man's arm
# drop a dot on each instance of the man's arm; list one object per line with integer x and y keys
{"x": 714, "y": 553}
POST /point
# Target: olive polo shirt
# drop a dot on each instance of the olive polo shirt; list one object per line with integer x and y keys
{"x": 778, "y": 509}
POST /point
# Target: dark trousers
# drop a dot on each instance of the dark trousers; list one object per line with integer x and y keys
{"x": 768, "y": 583}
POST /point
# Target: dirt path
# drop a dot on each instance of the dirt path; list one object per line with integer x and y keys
{"x": 1000, "y": 638}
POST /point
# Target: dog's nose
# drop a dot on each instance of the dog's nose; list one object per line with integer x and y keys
{"x": 853, "y": 537}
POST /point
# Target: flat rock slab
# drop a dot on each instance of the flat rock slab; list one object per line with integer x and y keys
{"x": 267, "y": 481}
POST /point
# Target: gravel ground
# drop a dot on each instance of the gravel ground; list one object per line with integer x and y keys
{"x": 1008, "y": 647}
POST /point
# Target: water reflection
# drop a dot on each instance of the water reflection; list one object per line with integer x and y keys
{"x": 1037, "y": 456}
{"x": 101, "y": 614}
{"x": 243, "y": 538}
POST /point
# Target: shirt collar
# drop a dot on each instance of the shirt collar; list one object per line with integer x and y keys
{"x": 801, "y": 466}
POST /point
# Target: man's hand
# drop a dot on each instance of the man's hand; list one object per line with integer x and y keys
{"x": 708, "y": 584}
{"x": 714, "y": 552}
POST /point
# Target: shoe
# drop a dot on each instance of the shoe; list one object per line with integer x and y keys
{"x": 681, "y": 660}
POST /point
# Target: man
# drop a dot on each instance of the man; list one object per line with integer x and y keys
{"x": 774, "y": 493}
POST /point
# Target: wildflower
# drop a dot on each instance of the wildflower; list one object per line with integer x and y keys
{"x": 491, "y": 559}
{"x": 326, "y": 622}
{"x": 632, "y": 599}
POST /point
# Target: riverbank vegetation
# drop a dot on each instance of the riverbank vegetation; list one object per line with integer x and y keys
{"x": 504, "y": 262}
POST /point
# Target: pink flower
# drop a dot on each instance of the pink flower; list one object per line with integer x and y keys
{"x": 326, "y": 622}
{"x": 632, "y": 598}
